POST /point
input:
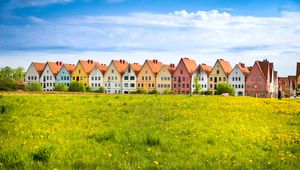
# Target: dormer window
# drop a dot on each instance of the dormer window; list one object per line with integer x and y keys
{"x": 181, "y": 71}
{"x": 129, "y": 70}
{"x": 218, "y": 71}
{"x": 112, "y": 71}
{"x": 79, "y": 71}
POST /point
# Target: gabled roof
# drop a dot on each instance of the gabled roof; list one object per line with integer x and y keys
{"x": 264, "y": 67}
{"x": 190, "y": 65}
{"x": 55, "y": 67}
{"x": 121, "y": 65}
{"x": 298, "y": 70}
{"x": 244, "y": 69}
{"x": 69, "y": 67}
{"x": 87, "y": 65}
{"x": 171, "y": 68}
{"x": 101, "y": 67}
{"x": 225, "y": 66}
{"x": 154, "y": 65}
{"x": 39, "y": 67}
{"x": 135, "y": 68}
{"x": 206, "y": 68}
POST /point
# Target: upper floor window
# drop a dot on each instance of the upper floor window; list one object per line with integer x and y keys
{"x": 174, "y": 78}
{"x": 79, "y": 71}
{"x": 112, "y": 71}
{"x": 132, "y": 78}
{"x": 129, "y": 70}
{"x": 181, "y": 71}
{"x": 125, "y": 77}
{"x": 224, "y": 78}
{"x": 218, "y": 71}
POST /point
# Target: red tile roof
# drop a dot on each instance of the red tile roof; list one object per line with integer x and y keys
{"x": 88, "y": 65}
{"x": 206, "y": 68}
{"x": 190, "y": 65}
{"x": 39, "y": 67}
{"x": 244, "y": 69}
{"x": 69, "y": 67}
{"x": 225, "y": 66}
{"x": 154, "y": 65}
{"x": 101, "y": 67}
{"x": 55, "y": 67}
{"x": 171, "y": 68}
{"x": 135, "y": 68}
{"x": 121, "y": 65}
{"x": 265, "y": 67}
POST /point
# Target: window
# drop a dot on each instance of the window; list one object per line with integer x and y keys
{"x": 174, "y": 78}
{"x": 187, "y": 85}
{"x": 132, "y": 85}
{"x": 146, "y": 78}
{"x": 92, "y": 84}
{"x": 79, "y": 71}
{"x": 112, "y": 78}
{"x": 169, "y": 78}
{"x": 183, "y": 85}
{"x": 239, "y": 78}
{"x": 132, "y": 78}
{"x": 218, "y": 71}
{"x": 34, "y": 77}
{"x": 149, "y": 78}
{"x": 242, "y": 86}
{"x": 28, "y": 77}
{"x": 129, "y": 70}
{"x": 116, "y": 78}
{"x": 143, "y": 78}
{"x": 161, "y": 78}
{"x": 211, "y": 86}
{"x": 178, "y": 85}
{"x": 68, "y": 78}
{"x": 211, "y": 79}
{"x": 73, "y": 78}
{"x": 181, "y": 71}
{"x": 138, "y": 84}
{"x": 239, "y": 86}
{"x": 125, "y": 84}
{"x": 174, "y": 85}
{"x": 152, "y": 84}
{"x": 142, "y": 84}
{"x": 232, "y": 78}
{"x": 99, "y": 78}
{"x": 149, "y": 85}
{"x": 116, "y": 85}
{"x": 183, "y": 78}
{"x": 108, "y": 78}
{"x": 81, "y": 78}
{"x": 125, "y": 77}
{"x": 158, "y": 85}
{"x": 220, "y": 78}
{"x": 95, "y": 78}
{"x": 92, "y": 78}
{"x": 112, "y": 71}
{"x": 47, "y": 77}
{"x": 99, "y": 84}
{"x": 224, "y": 78}
{"x": 179, "y": 80}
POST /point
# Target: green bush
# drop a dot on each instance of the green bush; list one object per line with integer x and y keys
{"x": 8, "y": 85}
{"x": 225, "y": 88}
{"x": 153, "y": 92}
{"x": 100, "y": 90}
{"x": 207, "y": 93}
{"x": 76, "y": 86}
{"x": 60, "y": 87}
{"x": 33, "y": 87}
{"x": 88, "y": 89}
{"x": 140, "y": 91}
{"x": 168, "y": 91}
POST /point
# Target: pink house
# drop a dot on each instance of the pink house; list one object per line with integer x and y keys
{"x": 182, "y": 78}
{"x": 260, "y": 81}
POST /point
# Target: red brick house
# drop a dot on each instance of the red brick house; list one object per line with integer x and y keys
{"x": 260, "y": 81}
{"x": 183, "y": 76}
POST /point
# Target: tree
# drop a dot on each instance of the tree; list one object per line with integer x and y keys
{"x": 19, "y": 74}
{"x": 8, "y": 85}
{"x": 76, "y": 86}
{"x": 33, "y": 87}
{"x": 60, "y": 87}
{"x": 225, "y": 88}
{"x": 197, "y": 85}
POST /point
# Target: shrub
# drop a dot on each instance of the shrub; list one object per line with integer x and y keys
{"x": 76, "y": 86}
{"x": 207, "y": 93}
{"x": 141, "y": 91}
{"x": 100, "y": 90}
{"x": 8, "y": 85}
{"x": 33, "y": 87}
{"x": 225, "y": 88}
{"x": 153, "y": 92}
{"x": 60, "y": 87}
{"x": 197, "y": 85}
{"x": 88, "y": 89}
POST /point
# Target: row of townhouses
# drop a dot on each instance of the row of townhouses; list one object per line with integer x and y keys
{"x": 290, "y": 85}
{"x": 119, "y": 76}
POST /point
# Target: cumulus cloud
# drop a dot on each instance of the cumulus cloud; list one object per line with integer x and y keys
{"x": 29, "y": 3}
{"x": 203, "y": 35}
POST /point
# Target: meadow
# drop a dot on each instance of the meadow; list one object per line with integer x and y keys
{"x": 80, "y": 131}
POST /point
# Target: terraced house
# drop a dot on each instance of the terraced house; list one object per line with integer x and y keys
{"x": 237, "y": 78}
{"x": 259, "y": 81}
{"x": 146, "y": 78}
{"x": 96, "y": 77}
{"x": 164, "y": 78}
{"x": 34, "y": 72}
{"x": 64, "y": 74}
{"x": 113, "y": 76}
{"x": 298, "y": 79}
{"x": 129, "y": 78}
{"x": 48, "y": 77}
{"x": 219, "y": 74}
{"x": 183, "y": 76}
{"x": 82, "y": 71}
{"x": 203, "y": 71}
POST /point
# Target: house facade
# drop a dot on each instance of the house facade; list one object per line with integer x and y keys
{"x": 203, "y": 71}
{"x": 298, "y": 79}
{"x": 48, "y": 77}
{"x": 34, "y": 72}
{"x": 183, "y": 76}
{"x": 129, "y": 83}
{"x": 113, "y": 76}
{"x": 146, "y": 78}
{"x": 237, "y": 78}
{"x": 96, "y": 77}
{"x": 219, "y": 74}
{"x": 259, "y": 81}
{"x": 164, "y": 78}
{"x": 82, "y": 71}
{"x": 64, "y": 74}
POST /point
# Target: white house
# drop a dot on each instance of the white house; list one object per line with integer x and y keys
{"x": 237, "y": 78}
{"x": 202, "y": 72}
{"x": 113, "y": 76}
{"x": 48, "y": 77}
{"x": 96, "y": 77}
{"x": 34, "y": 72}
{"x": 64, "y": 74}
{"x": 129, "y": 78}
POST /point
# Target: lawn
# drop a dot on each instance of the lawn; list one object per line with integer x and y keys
{"x": 67, "y": 131}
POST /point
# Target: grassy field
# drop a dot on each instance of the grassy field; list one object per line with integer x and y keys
{"x": 148, "y": 132}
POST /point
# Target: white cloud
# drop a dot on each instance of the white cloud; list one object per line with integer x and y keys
{"x": 203, "y": 35}
{"x": 29, "y": 3}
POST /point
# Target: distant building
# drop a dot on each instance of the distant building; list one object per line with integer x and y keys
{"x": 164, "y": 78}
{"x": 113, "y": 76}
{"x": 82, "y": 71}
{"x": 48, "y": 77}
{"x": 34, "y": 72}
{"x": 237, "y": 78}
{"x": 130, "y": 77}
{"x": 96, "y": 77}
{"x": 202, "y": 72}
{"x": 298, "y": 79}
{"x": 64, "y": 74}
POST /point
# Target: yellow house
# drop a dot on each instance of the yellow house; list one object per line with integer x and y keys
{"x": 83, "y": 70}
{"x": 219, "y": 74}
{"x": 164, "y": 78}
{"x": 298, "y": 79}
{"x": 146, "y": 79}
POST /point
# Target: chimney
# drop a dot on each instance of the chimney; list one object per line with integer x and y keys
{"x": 60, "y": 63}
{"x": 221, "y": 59}
{"x": 123, "y": 61}
{"x": 203, "y": 64}
{"x": 92, "y": 61}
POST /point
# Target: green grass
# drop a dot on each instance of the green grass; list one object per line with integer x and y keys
{"x": 148, "y": 132}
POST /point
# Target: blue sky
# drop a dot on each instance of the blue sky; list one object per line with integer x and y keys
{"x": 205, "y": 30}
